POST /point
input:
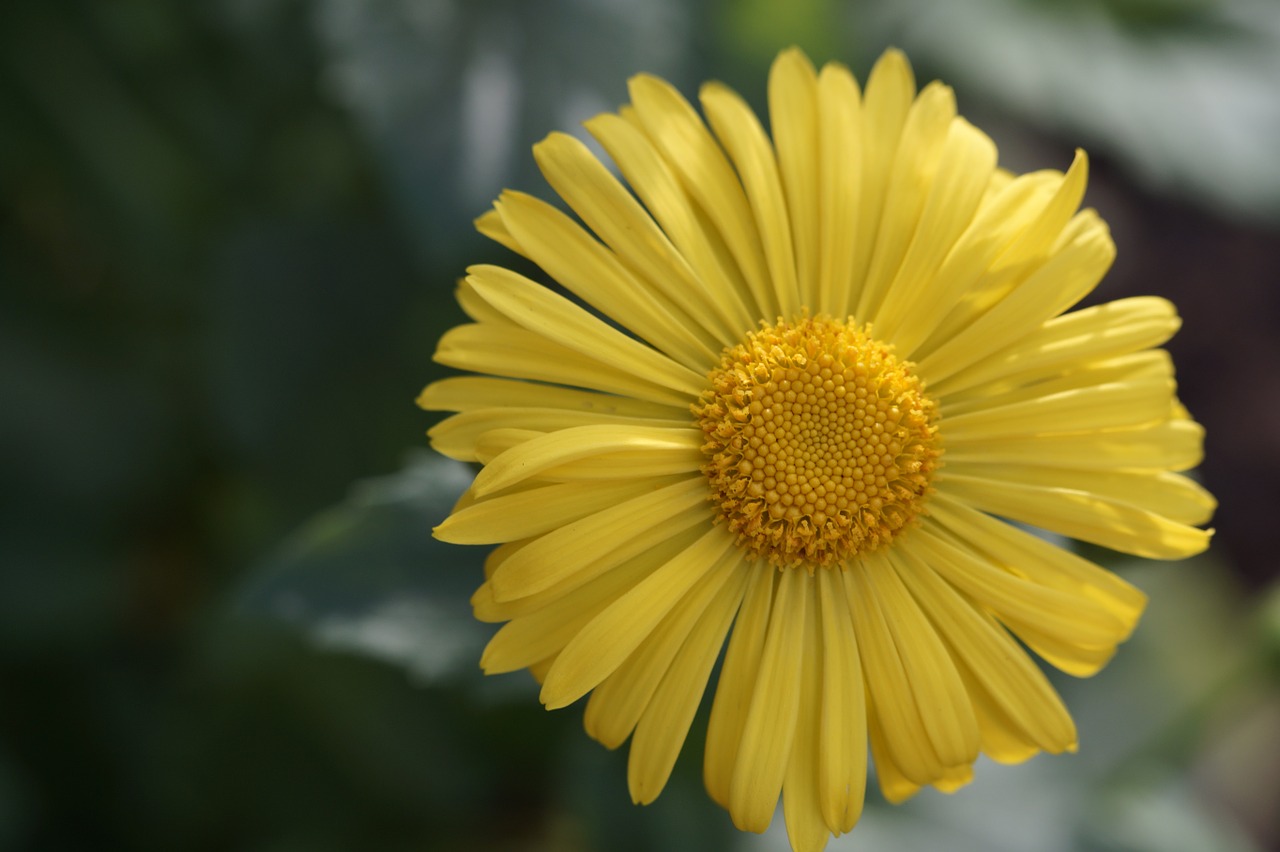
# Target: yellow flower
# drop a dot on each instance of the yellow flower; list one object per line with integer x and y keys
{"x": 798, "y": 383}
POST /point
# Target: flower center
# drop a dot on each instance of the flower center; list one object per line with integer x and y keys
{"x": 821, "y": 444}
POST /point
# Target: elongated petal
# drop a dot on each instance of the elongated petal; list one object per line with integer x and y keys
{"x": 1088, "y": 517}
{"x": 471, "y": 393}
{"x": 533, "y": 636}
{"x": 458, "y": 436}
{"x": 968, "y": 159}
{"x": 983, "y": 266}
{"x": 1112, "y": 406}
{"x": 842, "y": 764}
{"x": 939, "y": 694}
{"x": 1017, "y": 600}
{"x": 600, "y": 647}
{"x": 556, "y": 318}
{"x": 617, "y": 704}
{"x": 840, "y": 157}
{"x": 657, "y": 184}
{"x": 740, "y": 133}
{"x": 801, "y": 795}
{"x": 889, "y": 680}
{"x": 593, "y": 273}
{"x": 914, "y": 163}
{"x": 889, "y": 92}
{"x": 654, "y": 449}
{"x": 1103, "y": 331}
{"x": 1172, "y": 445}
{"x": 1065, "y": 278}
{"x": 521, "y": 354}
{"x": 689, "y": 148}
{"x": 1167, "y": 494}
{"x": 538, "y": 510}
{"x": 579, "y": 567}
{"x": 894, "y": 784}
{"x": 1146, "y": 367}
{"x": 618, "y": 218}
{"x": 1015, "y": 684}
{"x": 585, "y": 545}
{"x": 1039, "y": 561}
{"x": 736, "y": 685}
{"x": 794, "y": 115}
{"x": 770, "y": 724}
{"x": 662, "y": 729}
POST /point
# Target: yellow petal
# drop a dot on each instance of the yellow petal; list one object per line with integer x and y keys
{"x": 967, "y": 161}
{"x": 533, "y": 512}
{"x": 1030, "y": 233}
{"x": 458, "y": 436}
{"x": 794, "y": 114}
{"x": 658, "y": 186}
{"x": 1074, "y": 339}
{"x": 894, "y": 785}
{"x": 490, "y": 224}
{"x": 586, "y": 547}
{"x": 662, "y": 544}
{"x": 594, "y": 274}
{"x": 889, "y": 93}
{"x": 651, "y": 449}
{"x": 983, "y": 266}
{"x": 535, "y": 635}
{"x": 469, "y": 393}
{"x": 1065, "y": 278}
{"x": 600, "y": 647}
{"x": 618, "y": 702}
{"x": 770, "y": 725}
{"x": 1040, "y": 561}
{"x": 517, "y": 353}
{"x": 839, "y": 194}
{"x": 736, "y": 685}
{"x": 1117, "y": 405}
{"x": 911, "y": 176}
{"x": 939, "y": 695}
{"x": 690, "y": 150}
{"x": 801, "y": 792}
{"x": 1169, "y": 494}
{"x": 477, "y": 308}
{"x": 993, "y": 659}
{"x": 538, "y": 309}
{"x": 1100, "y": 520}
{"x": 1016, "y": 600}
{"x": 1151, "y": 365}
{"x": 744, "y": 140}
{"x": 1002, "y": 739}
{"x": 888, "y": 676}
{"x": 609, "y": 209}
{"x": 1172, "y": 445}
{"x": 662, "y": 729}
{"x": 842, "y": 763}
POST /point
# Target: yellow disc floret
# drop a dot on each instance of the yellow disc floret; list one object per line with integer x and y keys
{"x": 821, "y": 444}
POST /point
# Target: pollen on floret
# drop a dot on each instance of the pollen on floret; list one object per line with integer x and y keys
{"x": 820, "y": 443}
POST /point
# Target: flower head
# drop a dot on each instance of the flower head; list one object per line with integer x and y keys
{"x": 798, "y": 389}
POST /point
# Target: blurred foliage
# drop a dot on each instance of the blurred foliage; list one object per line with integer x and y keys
{"x": 229, "y": 236}
{"x": 1182, "y": 92}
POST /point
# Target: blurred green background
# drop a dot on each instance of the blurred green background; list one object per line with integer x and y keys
{"x": 228, "y": 241}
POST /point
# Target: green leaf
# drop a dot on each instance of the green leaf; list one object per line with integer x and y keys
{"x": 367, "y": 576}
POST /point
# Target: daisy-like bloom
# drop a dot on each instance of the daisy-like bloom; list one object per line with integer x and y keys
{"x": 798, "y": 389}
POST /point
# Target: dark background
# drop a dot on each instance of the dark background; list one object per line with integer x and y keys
{"x": 228, "y": 241}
